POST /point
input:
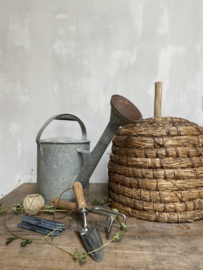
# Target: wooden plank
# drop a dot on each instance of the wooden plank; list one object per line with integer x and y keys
{"x": 145, "y": 245}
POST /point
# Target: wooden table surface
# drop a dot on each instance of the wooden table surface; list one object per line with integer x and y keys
{"x": 145, "y": 245}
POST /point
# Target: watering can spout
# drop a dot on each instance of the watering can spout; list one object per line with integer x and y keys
{"x": 123, "y": 112}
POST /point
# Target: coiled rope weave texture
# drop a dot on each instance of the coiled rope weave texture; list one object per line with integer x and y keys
{"x": 156, "y": 170}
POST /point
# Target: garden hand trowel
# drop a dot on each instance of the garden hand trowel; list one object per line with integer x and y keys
{"x": 90, "y": 236}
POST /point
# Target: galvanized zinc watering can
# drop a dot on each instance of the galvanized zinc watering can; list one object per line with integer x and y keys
{"x": 58, "y": 161}
{"x": 63, "y": 161}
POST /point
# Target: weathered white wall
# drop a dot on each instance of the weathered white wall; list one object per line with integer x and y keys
{"x": 70, "y": 56}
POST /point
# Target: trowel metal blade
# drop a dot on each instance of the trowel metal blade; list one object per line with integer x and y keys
{"x": 92, "y": 240}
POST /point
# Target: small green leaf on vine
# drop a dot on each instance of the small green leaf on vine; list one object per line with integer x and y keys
{"x": 99, "y": 202}
{"x": 70, "y": 220}
{"x": 123, "y": 226}
{"x": 76, "y": 254}
{"x": 83, "y": 257}
{"x": 95, "y": 201}
{"x": 48, "y": 208}
{"x": 118, "y": 236}
{"x": 114, "y": 216}
{"x": 17, "y": 207}
{"x": 105, "y": 199}
{"x": 23, "y": 244}
{"x": 1, "y": 212}
{"x": 10, "y": 239}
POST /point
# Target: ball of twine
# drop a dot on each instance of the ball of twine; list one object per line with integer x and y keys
{"x": 33, "y": 201}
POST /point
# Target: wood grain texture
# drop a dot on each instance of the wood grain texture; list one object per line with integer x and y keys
{"x": 63, "y": 204}
{"x": 158, "y": 99}
{"x": 145, "y": 245}
{"x": 79, "y": 194}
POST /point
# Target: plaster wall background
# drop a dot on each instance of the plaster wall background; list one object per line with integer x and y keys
{"x": 71, "y": 56}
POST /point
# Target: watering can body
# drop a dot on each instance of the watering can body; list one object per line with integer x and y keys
{"x": 63, "y": 161}
{"x": 59, "y": 160}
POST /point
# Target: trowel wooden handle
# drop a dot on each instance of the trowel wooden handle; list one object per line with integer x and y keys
{"x": 79, "y": 194}
{"x": 157, "y": 99}
{"x": 64, "y": 205}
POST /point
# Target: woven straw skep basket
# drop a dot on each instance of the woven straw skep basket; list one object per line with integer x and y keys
{"x": 156, "y": 170}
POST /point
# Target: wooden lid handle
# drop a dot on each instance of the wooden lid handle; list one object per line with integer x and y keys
{"x": 64, "y": 205}
{"x": 157, "y": 99}
{"x": 79, "y": 194}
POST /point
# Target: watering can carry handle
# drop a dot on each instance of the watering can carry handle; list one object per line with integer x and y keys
{"x": 62, "y": 117}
